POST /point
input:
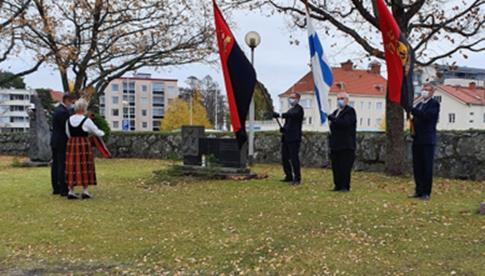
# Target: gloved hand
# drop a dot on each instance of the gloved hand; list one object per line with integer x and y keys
{"x": 276, "y": 115}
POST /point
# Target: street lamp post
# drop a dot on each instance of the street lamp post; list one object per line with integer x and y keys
{"x": 252, "y": 39}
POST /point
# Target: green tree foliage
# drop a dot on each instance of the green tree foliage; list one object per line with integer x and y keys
{"x": 263, "y": 104}
{"x": 102, "y": 124}
{"x": 47, "y": 102}
{"x": 14, "y": 82}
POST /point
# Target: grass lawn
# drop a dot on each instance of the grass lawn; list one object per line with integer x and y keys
{"x": 137, "y": 225}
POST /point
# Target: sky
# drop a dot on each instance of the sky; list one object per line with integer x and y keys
{"x": 278, "y": 63}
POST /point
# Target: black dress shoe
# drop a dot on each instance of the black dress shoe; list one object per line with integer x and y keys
{"x": 295, "y": 182}
{"x": 63, "y": 194}
{"x": 55, "y": 193}
{"x": 72, "y": 196}
{"x": 344, "y": 190}
{"x": 286, "y": 180}
{"x": 425, "y": 197}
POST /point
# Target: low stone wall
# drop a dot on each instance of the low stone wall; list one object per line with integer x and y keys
{"x": 14, "y": 143}
{"x": 459, "y": 154}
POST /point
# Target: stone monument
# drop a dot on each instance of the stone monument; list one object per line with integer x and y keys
{"x": 215, "y": 156}
{"x": 39, "y": 135}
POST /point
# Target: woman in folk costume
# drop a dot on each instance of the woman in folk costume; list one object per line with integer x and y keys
{"x": 79, "y": 156}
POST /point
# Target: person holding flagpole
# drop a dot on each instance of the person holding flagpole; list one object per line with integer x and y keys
{"x": 291, "y": 139}
{"x": 425, "y": 118}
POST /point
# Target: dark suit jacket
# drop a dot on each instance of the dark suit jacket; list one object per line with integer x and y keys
{"x": 425, "y": 119}
{"x": 59, "y": 117}
{"x": 293, "y": 122}
{"x": 343, "y": 129}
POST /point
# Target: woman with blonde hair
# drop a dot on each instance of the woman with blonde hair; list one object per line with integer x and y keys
{"x": 80, "y": 169}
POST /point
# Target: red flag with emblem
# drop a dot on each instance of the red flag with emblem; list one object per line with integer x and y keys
{"x": 239, "y": 76}
{"x": 399, "y": 59}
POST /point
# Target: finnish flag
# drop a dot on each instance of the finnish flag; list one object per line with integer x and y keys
{"x": 322, "y": 73}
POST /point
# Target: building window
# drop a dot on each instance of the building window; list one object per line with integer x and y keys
{"x": 115, "y": 112}
{"x": 306, "y": 103}
{"x": 143, "y": 112}
{"x": 304, "y": 120}
{"x": 437, "y": 98}
{"x": 144, "y": 88}
{"x": 101, "y": 100}
{"x": 309, "y": 120}
{"x": 379, "y": 106}
{"x": 361, "y": 121}
{"x": 158, "y": 112}
{"x": 116, "y": 124}
{"x": 144, "y": 100}
{"x": 116, "y": 99}
{"x": 157, "y": 100}
{"x": 115, "y": 87}
{"x": 361, "y": 105}
{"x": 369, "y": 105}
{"x": 17, "y": 108}
{"x": 471, "y": 113}
{"x": 157, "y": 87}
{"x": 144, "y": 124}
{"x": 451, "y": 117}
{"x": 368, "y": 121}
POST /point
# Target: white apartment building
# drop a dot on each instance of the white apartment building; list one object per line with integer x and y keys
{"x": 139, "y": 101}
{"x": 462, "y": 107}
{"x": 366, "y": 88}
{"x": 14, "y": 104}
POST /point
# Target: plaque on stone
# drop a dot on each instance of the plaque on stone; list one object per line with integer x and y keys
{"x": 190, "y": 144}
{"x": 225, "y": 152}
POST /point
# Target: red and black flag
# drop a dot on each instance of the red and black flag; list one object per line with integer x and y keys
{"x": 399, "y": 59}
{"x": 239, "y": 76}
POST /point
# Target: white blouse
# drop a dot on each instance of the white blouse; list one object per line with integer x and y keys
{"x": 88, "y": 125}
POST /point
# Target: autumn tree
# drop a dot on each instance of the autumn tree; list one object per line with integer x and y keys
{"x": 96, "y": 41}
{"x": 13, "y": 21}
{"x": 185, "y": 112}
{"x": 436, "y": 30}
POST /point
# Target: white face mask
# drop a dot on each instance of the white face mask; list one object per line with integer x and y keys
{"x": 292, "y": 102}
{"x": 425, "y": 94}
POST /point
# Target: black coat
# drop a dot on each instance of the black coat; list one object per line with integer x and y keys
{"x": 343, "y": 129}
{"x": 425, "y": 119}
{"x": 59, "y": 117}
{"x": 293, "y": 122}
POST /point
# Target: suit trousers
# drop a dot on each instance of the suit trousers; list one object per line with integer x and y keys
{"x": 342, "y": 162}
{"x": 291, "y": 160}
{"x": 423, "y": 158}
{"x": 58, "y": 174}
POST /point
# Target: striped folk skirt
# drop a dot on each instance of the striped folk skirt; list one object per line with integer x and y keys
{"x": 80, "y": 169}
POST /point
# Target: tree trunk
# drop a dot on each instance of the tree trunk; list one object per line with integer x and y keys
{"x": 395, "y": 143}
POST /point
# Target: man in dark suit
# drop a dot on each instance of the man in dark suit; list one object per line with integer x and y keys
{"x": 425, "y": 118}
{"x": 343, "y": 124}
{"x": 58, "y": 143}
{"x": 291, "y": 140}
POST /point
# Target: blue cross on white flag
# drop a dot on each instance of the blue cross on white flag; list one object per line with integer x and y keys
{"x": 322, "y": 73}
